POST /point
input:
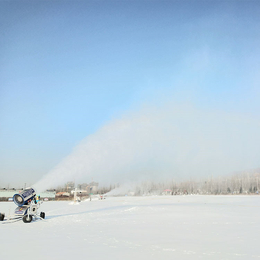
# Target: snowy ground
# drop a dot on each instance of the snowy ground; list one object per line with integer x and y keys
{"x": 170, "y": 227}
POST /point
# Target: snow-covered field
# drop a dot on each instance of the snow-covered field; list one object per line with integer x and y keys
{"x": 169, "y": 227}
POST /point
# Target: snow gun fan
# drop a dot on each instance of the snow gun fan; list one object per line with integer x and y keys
{"x": 28, "y": 204}
{"x": 24, "y": 197}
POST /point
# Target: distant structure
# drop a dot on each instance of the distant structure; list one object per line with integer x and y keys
{"x": 63, "y": 194}
{"x": 79, "y": 192}
{"x": 92, "y": 188}
{"x": 84, "y": 188}
{"x": 70, "y": 186}
{"x": 167, "y": 192}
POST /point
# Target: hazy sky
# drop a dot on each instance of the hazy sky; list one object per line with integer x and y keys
{"x": 69, "y": 68}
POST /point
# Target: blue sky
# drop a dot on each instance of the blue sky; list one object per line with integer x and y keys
{"x": 69, "y": 67}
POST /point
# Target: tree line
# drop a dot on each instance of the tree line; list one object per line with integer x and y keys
{"x": 238, "y": 183}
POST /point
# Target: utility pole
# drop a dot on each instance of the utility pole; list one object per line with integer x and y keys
{"x": 75, "y": 195}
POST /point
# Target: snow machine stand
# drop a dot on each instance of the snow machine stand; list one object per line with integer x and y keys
{"x": 28, "y": 206}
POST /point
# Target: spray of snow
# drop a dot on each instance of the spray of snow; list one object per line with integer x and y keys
{"x": 154, "y": 143}
{"x": 124, "y": 189}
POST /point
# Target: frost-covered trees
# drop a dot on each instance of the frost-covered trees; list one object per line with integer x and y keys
{"x": 238, "y": 183}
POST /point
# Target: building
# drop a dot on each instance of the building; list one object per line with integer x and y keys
{"x": 167, "y": 192}
{"x": 92, "y": 188}
{"x": 70, "y": 186}
{"x": 62, "y": 194}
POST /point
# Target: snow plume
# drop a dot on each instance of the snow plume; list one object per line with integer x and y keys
{"x": 124, "y": 189}
{"x": 166, "y": 142}
{"x": 137, "y": 188}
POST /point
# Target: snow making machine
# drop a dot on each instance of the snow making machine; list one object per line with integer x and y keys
{"x": 28, "y": 207}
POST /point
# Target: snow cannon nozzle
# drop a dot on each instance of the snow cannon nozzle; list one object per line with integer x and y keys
{"x": 24, "y": 197}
